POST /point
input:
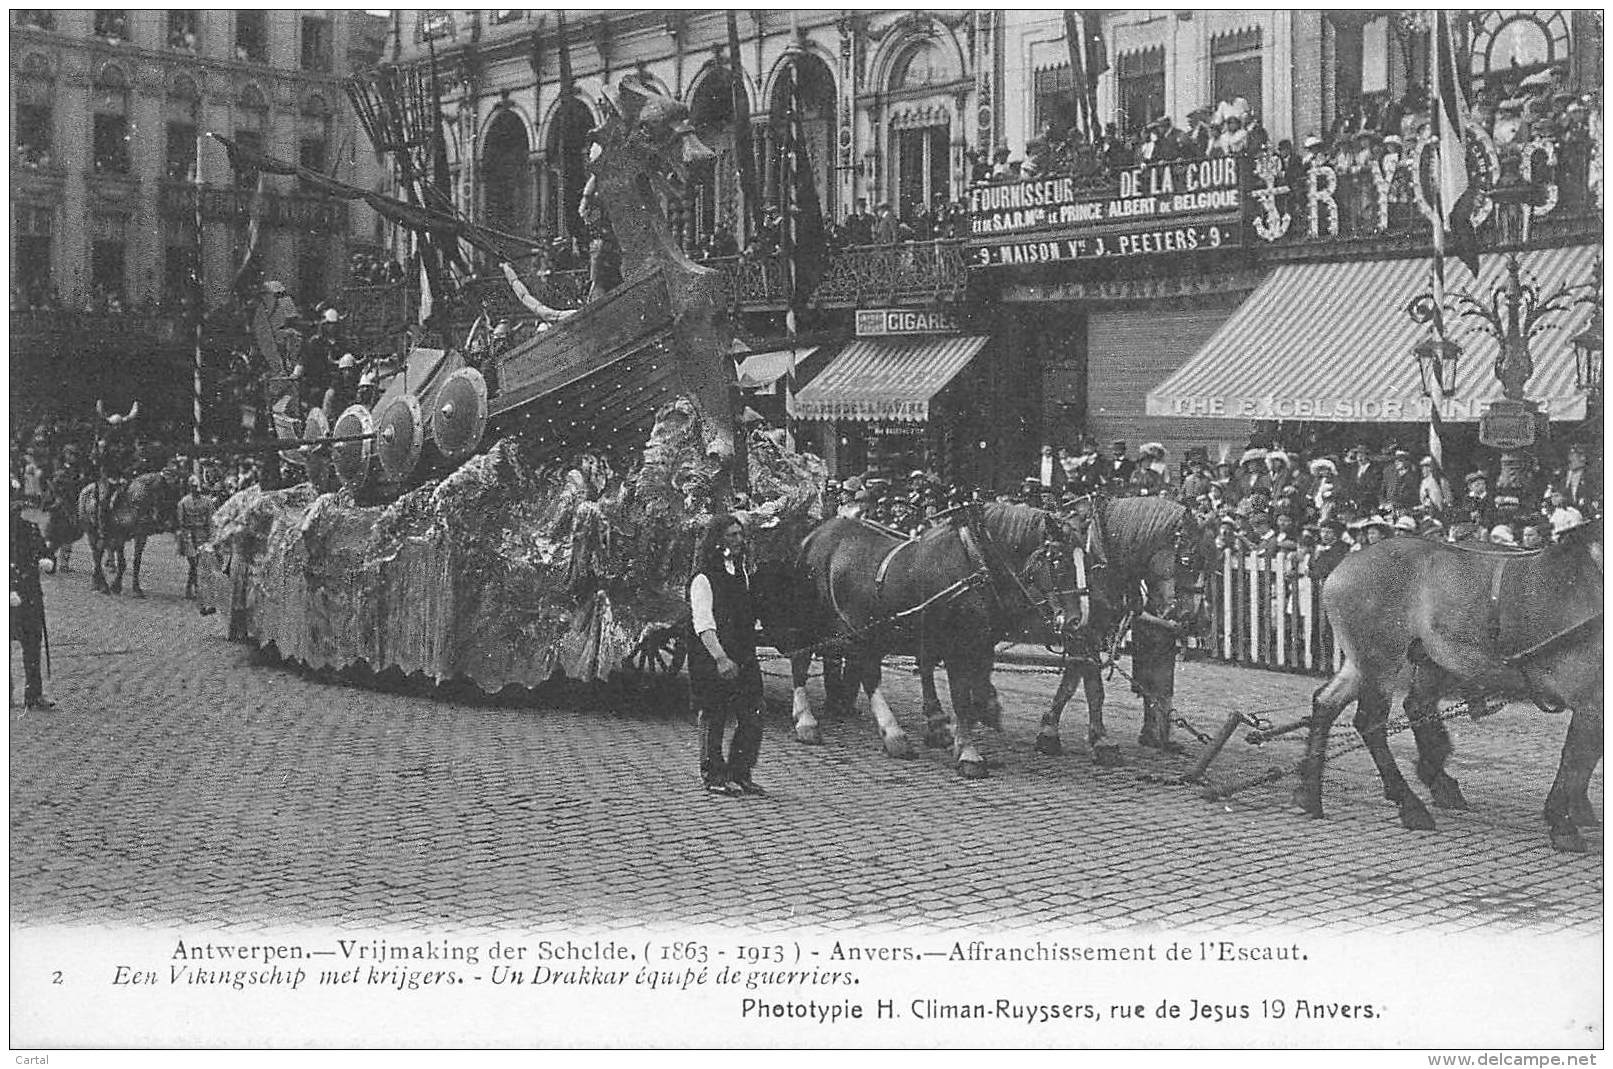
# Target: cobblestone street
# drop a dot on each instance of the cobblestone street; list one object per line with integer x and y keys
{"x": 183, "y": 778}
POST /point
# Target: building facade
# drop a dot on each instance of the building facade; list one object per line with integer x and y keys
{"x": 105, "y": 111}
{"x": 1070, "y": 322}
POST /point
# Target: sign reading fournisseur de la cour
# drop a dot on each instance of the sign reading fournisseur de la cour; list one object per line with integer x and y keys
{"x": 1185, "y": 206}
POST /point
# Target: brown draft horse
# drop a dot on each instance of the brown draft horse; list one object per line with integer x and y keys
{"x": 1434, "y": 618}
{"x": 946, "y": 596}
{"x": 1143, "y": 557}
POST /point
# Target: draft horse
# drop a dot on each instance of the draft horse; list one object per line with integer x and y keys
{"x": 112, "y": 516}
{"x": 1436, "y": 618}
{"x": 946, "y": 596}
{"x": 1146, "y": 568}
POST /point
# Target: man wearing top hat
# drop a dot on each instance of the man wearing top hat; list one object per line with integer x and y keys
{"x": 1118, "y": 468}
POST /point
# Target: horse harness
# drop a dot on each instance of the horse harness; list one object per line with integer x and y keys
{"x": 983, "y": 575}
{"x": 1519, "y": 659}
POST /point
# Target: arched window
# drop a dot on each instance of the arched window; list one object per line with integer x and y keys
{"x": 313, "y": 133}
{"x": 711, "y": 189}
{"x": 32, "y": 89}
{"x": 1511, "y": 45}
{"x": 815, "y": 90}
{"x": 921, "y": 66}
{"x": 568, "y": 167}
{"x": 921, "y": 126}
{"x": 179, "y": 117}
{"x": 251, "y": 129}
{"x": 507, "y": 175}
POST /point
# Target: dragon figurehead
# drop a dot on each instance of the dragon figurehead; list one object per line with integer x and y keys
{"x": 648, "y": 139}
{"x": 646, "y": 148}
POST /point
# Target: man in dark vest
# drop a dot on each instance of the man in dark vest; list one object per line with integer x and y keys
{"x": 725, "y": 681}
{"x": 28, "y": 557}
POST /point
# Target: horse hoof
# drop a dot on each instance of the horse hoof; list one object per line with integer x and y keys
{"x": 1107, "y": 756}
{"x": 1414, "y": 816}
{"x": 972, "y": 769}
{"x": 1447, "y": 795}
{"x": 937, "y": 740}
{"x": 898, "y": 746}
{"x": 1051, "y": 745}
{"x": 1568, "y": 842}
{"x": 809, "y": 735}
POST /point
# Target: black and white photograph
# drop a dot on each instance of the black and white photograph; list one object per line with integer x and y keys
{"x": 828, "y": 528}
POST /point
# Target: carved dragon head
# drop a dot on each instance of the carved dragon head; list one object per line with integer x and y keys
{"x": 650, "y": 133}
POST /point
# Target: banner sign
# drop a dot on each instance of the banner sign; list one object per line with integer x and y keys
{"x": 878, "y": 322}
{"x": 1137, "y": 241}
{"x": 1158, "y": 208}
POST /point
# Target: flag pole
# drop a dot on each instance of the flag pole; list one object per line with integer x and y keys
{"x": 197, "y": 295}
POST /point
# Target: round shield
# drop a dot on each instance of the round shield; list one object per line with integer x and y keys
{"x": 316, "y": 458}
{"x": 459, "y": 413}
{"x": 352, "y": 459}
{"x": 400, "y": 434}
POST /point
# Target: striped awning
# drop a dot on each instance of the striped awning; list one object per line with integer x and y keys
{"x": 1332, "y": 342}
{"x": 764, "y": 369}
{"x": 886, "y": 378}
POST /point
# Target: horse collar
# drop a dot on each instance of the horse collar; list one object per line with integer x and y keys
{"x": 884, "y": 566}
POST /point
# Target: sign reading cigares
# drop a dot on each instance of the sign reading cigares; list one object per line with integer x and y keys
{"x": 1186, "y": 206}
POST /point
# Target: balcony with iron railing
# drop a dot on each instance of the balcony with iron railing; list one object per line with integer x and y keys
{"x": 911, "y": 273}
{"x": 228, "y": 204}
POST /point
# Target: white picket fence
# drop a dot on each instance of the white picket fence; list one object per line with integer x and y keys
{"x": 1266, "y": 614}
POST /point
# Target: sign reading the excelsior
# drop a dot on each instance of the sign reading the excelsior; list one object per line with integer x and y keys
{"x": 1168, "y": 207}
{"x": 877, "y": 322}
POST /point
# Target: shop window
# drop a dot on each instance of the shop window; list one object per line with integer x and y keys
{"x": 107, "y": 255}
{"x": 33, "y": 140}
{"x": 110, "y": 144}
{"x": 1140, "y": 81}
{"x": 112, "y": 25}
{"x": 315, "y": 44}
{"x": 182, "y": 30}
{"x": 36, "y": 18}
{"x": 252, "y": 36}
{"x": 180, "y": 156}
{"x": 1235, "y": 67}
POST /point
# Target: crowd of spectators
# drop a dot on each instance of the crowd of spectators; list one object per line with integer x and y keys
{"x": 54, "y": 455}
{"x": 1306, "y": 511}
{"x": 366, "y": 269}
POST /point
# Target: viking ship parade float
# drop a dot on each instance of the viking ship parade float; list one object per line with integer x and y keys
{"x": 505, "y": 517}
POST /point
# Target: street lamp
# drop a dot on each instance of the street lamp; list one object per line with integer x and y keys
{"x": 1436, "y": 364}
{"x": 1588, "y": 356}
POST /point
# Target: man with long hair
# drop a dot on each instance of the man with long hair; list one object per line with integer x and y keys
{"x": 725, "y": 680}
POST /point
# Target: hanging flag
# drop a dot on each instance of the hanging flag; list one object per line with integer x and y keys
{"x": 1097, "y": 61}
{"x": 804, "y": 240}
{"x": 750, "y": 208}
{"x": 1448, "y": 109}
{"x": 1075, "y": 41}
